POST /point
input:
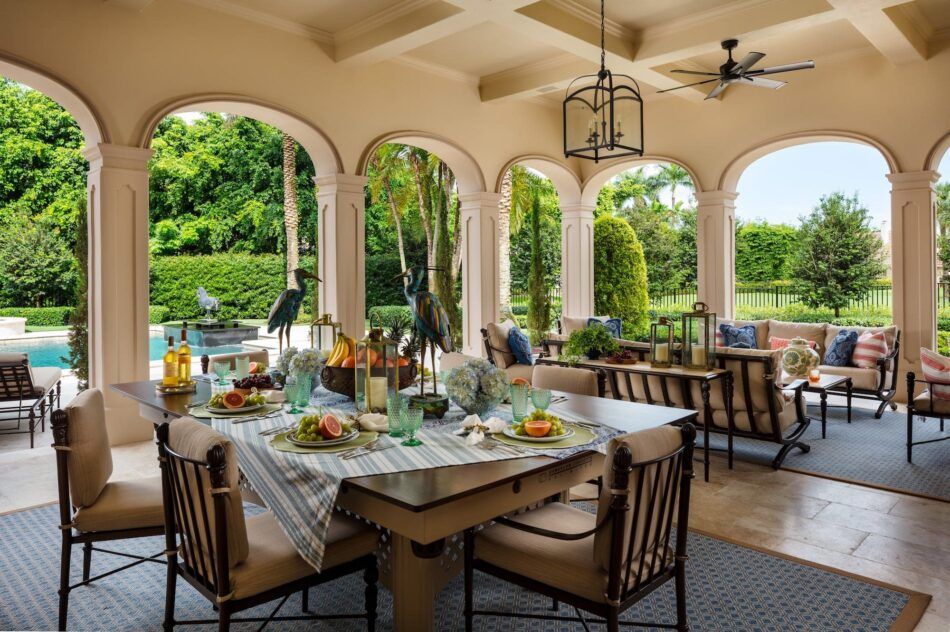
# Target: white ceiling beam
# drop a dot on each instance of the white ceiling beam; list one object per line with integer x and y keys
{"x": 888, "y": 28}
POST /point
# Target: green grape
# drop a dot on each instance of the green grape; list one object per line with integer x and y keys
{"x": 519, "y": 431}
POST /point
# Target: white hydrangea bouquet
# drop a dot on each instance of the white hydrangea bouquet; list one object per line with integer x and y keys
{"x": 306, "y": 361}
{"x": 476, "y": 386}
{"x": 283, "y": 360}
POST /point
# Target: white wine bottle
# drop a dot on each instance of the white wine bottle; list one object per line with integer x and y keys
{"x": 170, "y": 365}
{"x": 184, "y": 359}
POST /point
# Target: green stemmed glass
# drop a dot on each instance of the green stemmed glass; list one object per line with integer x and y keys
{"x": 396, "y": 405}
{"x": 221, "y": 369}
{"x": 541, "y": 398}
{"x": 297, "y": 389}
{"x": 411, "y": 422}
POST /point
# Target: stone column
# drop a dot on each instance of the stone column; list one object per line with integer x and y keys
{"x": 716, "y": 250}
{"x": 577, "y": 260}
{"x": 117, "y": 195}
{"x": 914, "y": 257}
{"x": 480, "y": 302}
{"x": 341, "y": 235}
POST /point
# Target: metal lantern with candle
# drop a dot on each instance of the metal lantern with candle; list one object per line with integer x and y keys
{"x": 661, "y": 343}
{"x": 377, "y": 370}
{"x": 323, "y": 334}
{"x": 699, "y": 337}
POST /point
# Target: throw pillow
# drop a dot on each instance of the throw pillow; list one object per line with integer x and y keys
{"x": 842, "y": 348}
{"x": 720, "y": 341}
{"x": 520, "y": 346}
{"x": 780, "y": 343}
{"x": 936, "y": 370}
{"x": 870, "y": 348}
{"x": 613, "y": 325}
{"x": 732, "y": 336}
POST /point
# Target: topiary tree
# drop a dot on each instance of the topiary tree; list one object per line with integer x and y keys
{"x": 78, "y": 357}
{"x": 620, "y": 274}
{"x": 539, "y": 301}
{"x": 839, "y": 255}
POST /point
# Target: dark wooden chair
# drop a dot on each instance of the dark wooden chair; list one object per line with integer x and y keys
{"x": 924, "y": 405}
{"x": 91, "y": 508}
{"x": 239, "y": 563}
{"x": 36, "y": 391}
{"x": 611, "y": 560}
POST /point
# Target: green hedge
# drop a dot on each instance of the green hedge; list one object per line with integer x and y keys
{"x": 158, "y": 314}
{"x": 40, "y": 316}
{"x": 386, "y": 312}
{"x": 247, "y": 285}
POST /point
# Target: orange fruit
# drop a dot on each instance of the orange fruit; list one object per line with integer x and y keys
{"x": 537, "y": 428}
{"x": 348, "y": 362}
{"x": 521, "y": 380}
{"x": 233, "y": 399}
{"x": 330, "y": 427}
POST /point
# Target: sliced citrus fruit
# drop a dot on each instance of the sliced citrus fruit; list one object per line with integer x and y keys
{"x": 330, "y": 427}
{"x": 520, "y": 380}
{"x": 537, "y": 428}
{"x": 233, "y": 399}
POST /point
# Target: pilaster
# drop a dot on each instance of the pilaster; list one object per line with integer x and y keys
{"x": 577, "y": 260}
{"x": 480, "y": 300}
{"x": 716, "y": 250}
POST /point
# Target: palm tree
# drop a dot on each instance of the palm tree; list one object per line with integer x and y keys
{"x": 291, "y": 218}
{"x": 671, "y": 176}
{"x": 390, "y": 175}
{"x": 519, "y": 189}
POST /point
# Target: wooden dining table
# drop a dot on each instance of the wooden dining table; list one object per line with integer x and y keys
{"x": 426, "y": 510}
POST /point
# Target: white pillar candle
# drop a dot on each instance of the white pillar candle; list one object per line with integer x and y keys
{"x": 662, "y": 352}
{"x": 699, "y": 356}
{"x": 377, "y": 393}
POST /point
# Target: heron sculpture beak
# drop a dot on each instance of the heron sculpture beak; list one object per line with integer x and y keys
{"x": 435, "y": 268}
{"x": 400, "y": 276}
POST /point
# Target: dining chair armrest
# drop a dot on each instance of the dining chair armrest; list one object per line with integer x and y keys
{"x": 547, "y": 533}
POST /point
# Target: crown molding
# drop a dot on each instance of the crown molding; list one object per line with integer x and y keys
{"x": 590, "y": 16}
{"x": 380, "y": 18}
{"x": 436, "y": 69}
{"x": 694, "y": 19}
{"x": 260, "y": 17}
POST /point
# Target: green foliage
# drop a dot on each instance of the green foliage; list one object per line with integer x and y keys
{"x": 943, "y": 227}
{"x": 764, "y": 251}
{"x": 39, "y": 316}
{"x": 78, "y": 357}
{"x": 37, "y": 267}
{"x": 158, "y": 314}
{"x": 386, "y": 313}
{"x": 594, "y": 338}
{"x": 838, "y": 255}
{"x": 620, "y": 278}
{"x": 539, "y": 303}
{"x": 247, "y": 285}
{"x": 381, "y": 289}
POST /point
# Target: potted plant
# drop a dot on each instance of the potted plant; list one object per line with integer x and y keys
{"x": 591, "y": 341}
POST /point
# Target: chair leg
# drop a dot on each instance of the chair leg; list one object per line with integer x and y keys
{"x": 32, "y": 426}
{"x": 910, "y": 435}
{"x": 371, "y": 577}
{"x": 469, "y": 571}
{"x": 224, "y": 618}
{"x": 171, "y": 579}
{"x": 555, "y": 605}
{"x": 880, "y": 409}
{"x": 613, "y": 621}
{"x": 86, "y": 560}
{"x": 64, "y": 580}
{"x": 682, "y": 621}
{"x": 305, "y": 599}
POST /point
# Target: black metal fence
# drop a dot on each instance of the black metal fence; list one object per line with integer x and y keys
{"x": 519, "y": 298}
{"x": 772, "y": 295}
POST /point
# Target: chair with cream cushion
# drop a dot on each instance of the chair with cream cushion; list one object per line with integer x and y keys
{"x": 603, "y": 563}
{"x": 495, "y": 337}
{"x": 568, "y": 380}
{"x": 253, "y": 355}
{"x": 926, "y": 405}
{"x": 448, "y": 361}
{"x": 92, "y": 508}
{"x": 237, "y": 562}
{"x": 36, "y": 391}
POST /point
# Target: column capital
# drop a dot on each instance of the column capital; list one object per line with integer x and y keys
{"x": 578, "y": 209}
{"x": 340, "y": 183}
{"x": 479, "y": 199}
{"x": 117, "y": 156}
{"x": 709, "y": 198}
{"x": 907, "y": 180}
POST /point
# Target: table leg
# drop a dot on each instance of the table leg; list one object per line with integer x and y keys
{"x": 707, "y": 420}
{"x": 730, "y": 414}
{"x": 824, "y": 411}
{"x": 850, "y": 384}
{"x": 415, "y": 586}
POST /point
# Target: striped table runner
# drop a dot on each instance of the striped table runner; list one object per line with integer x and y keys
{"x": 301, "y": 489}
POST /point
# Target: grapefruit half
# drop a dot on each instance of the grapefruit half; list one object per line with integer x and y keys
{"x": 537, "y": 428}
{"x": 233, "y": 399}
{"x": 330, "y": 427}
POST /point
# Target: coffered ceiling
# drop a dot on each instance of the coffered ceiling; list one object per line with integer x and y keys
{"x": 516, "y": 49}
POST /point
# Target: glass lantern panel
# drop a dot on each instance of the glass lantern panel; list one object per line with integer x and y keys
{"x": 377, "y": 374}
{"x": 323, "y": 337}
{"x": 627, "y": 132}
{"x": 579, "y": 122}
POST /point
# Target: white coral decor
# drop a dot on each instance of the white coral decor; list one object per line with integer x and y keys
{"x": 476, "y": 386}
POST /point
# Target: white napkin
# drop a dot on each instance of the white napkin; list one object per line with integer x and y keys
{"x": 274, "y": 397}
{"x": 374, "y": 421}
{"x": 477, "y": 428}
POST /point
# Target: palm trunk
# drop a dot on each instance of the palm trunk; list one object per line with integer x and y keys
{"x": 397, "y": 221}
{"x": 504, "y": 245}
{"x": 291, "y": 219}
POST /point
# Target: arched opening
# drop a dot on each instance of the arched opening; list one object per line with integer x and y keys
{"x": 654, "y": 198}
{"x": 44, "y": 127}
{"x": 812, "y": 240}
{"x": 941, "y": 164}
{"x": 232, "y": 216}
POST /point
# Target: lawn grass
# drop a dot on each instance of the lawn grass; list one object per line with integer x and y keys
{"x": 38, "y": 328}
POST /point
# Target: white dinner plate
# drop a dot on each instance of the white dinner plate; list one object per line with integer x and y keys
{"x": 354, "y": 433}
{"x": 234, "y": 411}
{"x": 508, "y": 432}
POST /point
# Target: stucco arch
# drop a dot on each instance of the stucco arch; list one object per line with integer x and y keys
{"x": 326, "y": 159}
{"x": 598, "y": 179}
{"x": 566, "y": 182}
{"x": 729, "y": 180}
{"x": 937, "y": 153}
{"x": 89, "y": 121}
{"x": 468, "y": 174}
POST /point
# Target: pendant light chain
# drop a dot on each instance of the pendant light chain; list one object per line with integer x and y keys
{"x": 603, "y": 48}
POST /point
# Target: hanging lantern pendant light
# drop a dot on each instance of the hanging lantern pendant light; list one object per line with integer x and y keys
{"x": 594, "y": 113}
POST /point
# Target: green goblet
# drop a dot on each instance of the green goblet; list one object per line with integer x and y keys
{"x": 411, "y": 422}
{"x": 519, "y": 401}
{"x": 541, "y": 398}
{"x": 396, "y": 405}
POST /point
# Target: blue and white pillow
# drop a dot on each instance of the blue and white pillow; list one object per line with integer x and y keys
{"x": 613, "y": 325}
{"x": 520, "y": 346}
{"x": 841, "y": 348}
{"x": 738, "y": 337}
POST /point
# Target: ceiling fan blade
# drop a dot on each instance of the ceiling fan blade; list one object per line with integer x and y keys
{"x": 802, "y": 65}
{"x": 763, "y": 83}
{"x": 716, "y": 91}
{"x": 746, "y": 63}
{"x": 694, "y": 72}
{"x": 688, "y": 85}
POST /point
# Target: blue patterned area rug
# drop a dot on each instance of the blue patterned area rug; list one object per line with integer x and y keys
{"x": 730, "y": 588}
{"x": 867, "y": 451}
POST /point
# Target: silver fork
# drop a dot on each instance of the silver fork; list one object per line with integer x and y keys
{"x": 370, "y": 451}
{"x": 271, "y": 431}
{"x": 367, "y": 446}
{"x": 496, "y": 444}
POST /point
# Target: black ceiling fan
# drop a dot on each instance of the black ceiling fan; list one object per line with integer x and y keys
{"x": 741, "y": 72}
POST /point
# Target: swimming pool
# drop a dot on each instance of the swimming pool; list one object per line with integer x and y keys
{"x": 51, "y": 351}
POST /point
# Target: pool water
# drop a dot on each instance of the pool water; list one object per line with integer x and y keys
{"x": 51, "y": 351}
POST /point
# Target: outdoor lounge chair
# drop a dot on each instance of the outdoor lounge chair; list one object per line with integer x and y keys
{"x": 36, "y": 391}
{"x": 924, "y": 405}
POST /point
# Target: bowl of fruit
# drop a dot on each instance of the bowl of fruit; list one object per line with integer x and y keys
{"x": 339, "y": 375}
{"x": 235, "y": 402}
{"x": 323, "y": 430}
{"x": 539, "y": 427}
{"x": 258, "y": 381}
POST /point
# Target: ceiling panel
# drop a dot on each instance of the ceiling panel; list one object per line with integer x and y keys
{"x": 643, "y": 14}
{"x": 937, "y": 12}
{"x": 327, "y": 15}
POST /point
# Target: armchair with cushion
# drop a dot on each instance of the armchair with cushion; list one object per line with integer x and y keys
{"x": 495, "y": 338}
{"x": 926, "y": 405}
{"x": 36, "y": 391}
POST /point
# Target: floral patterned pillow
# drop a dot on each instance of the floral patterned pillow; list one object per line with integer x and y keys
{"x": 841, "y": 348}
{"x": 738, "y": 337}
{"x": 520, "y": 346}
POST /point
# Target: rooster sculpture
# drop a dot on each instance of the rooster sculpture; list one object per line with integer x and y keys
{"x": 208, "y": 303}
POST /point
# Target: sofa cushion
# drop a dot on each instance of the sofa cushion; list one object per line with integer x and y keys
{"x": 520, "y": 346}
{"x": 941, "y": 406}
{"x": 498, "y": 339}
{"x": 936, "y": 370}
{"x": 45, "y": 378}
{"x": 741, "y": 337}
{"x": 871, "y": 347}
{"x": 866, "y": 379}
{"x": 841, "y": 349}
{"x": 570, "y": 324}
{"x": 762, "y": 332}
{"x": 566, "y": 379}
{"x": 890, "y": 336}
{"x": 815, "y": 332}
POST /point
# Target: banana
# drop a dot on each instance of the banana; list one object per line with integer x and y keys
{"x": 338, "y": 352}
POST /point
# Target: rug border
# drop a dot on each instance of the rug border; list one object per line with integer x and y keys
{"x": 854, "y": 481}
{"x": 906, "y": 621}
{"x": 36, "y": 506}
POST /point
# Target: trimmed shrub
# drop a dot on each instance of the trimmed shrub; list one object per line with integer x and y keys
{"x": 40, "y": 316}
{"x": 386, "y": 312}
{"x": 158, "y": 314}
{"x": 620, "y": 275}
{"x": 381, "y": 290}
